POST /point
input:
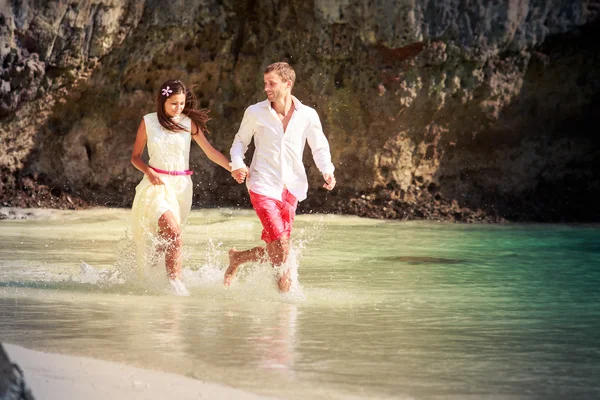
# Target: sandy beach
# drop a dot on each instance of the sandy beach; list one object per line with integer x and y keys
{"x": 62, "y": 377}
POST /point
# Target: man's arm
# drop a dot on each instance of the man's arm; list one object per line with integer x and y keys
{"x": 240, "y": 145}
{"x": 319, "y": 147}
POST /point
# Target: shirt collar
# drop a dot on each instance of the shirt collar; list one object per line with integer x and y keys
{"x": 297, "y": 104}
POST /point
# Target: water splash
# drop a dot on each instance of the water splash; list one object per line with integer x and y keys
{"x": 124, "y": 276}
{"x": 203, "y": 278}
{"x": 91, "y": 275}
{"x": 211, "y": 272}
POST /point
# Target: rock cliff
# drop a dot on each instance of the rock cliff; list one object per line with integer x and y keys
{"x": 452, "y": 110}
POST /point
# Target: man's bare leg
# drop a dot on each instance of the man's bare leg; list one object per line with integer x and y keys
{"x": 278, "y": 251}
{"x": 237, "y": 258}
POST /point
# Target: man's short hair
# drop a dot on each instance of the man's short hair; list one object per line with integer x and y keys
{"x": 284, "y": 70}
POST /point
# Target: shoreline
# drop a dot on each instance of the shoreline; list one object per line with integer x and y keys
{"x": 12, "y": 213}
{"x": 30, "y": 191}
{"x": 54, "y": 376}
{"x": 389, "y": 203}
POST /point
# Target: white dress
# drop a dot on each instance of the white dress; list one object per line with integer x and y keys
{"x": 169, "y": 151}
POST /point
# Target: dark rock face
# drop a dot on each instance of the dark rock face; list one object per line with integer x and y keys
{"x": 12, "y": 383}
{"x": 435, "y": 110}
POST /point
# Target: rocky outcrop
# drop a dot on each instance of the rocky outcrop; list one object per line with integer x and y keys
{"x": 441, "y": 110}
{"x": 12, "y": 382}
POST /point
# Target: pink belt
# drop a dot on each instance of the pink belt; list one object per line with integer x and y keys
{"x": 162, "y": 171}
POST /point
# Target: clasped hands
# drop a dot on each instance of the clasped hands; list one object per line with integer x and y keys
{"x": 241, "y": 174}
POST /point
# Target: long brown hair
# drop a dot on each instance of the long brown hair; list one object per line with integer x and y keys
{"x": 199, "y": 116}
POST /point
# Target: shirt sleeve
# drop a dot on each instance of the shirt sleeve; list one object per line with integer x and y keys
{"x": 319, "y": 145}
{"x": 242, "y": 140}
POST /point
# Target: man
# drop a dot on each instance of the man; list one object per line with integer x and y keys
{"x": 276, "y": 180}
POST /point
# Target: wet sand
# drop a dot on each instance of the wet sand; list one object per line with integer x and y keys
{"x": 63, "y": 377}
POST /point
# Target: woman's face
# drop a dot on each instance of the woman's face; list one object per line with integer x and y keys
{"x": 175, "y": 105}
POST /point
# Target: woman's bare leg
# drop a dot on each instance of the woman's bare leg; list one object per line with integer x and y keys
{"x": 170, "y": 232}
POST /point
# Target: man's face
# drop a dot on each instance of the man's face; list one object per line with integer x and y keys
{"x": 175, "y": 105}
{"x": 275, "y": 87}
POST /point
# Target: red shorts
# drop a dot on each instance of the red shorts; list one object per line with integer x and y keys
{"x": 276, "y": 216}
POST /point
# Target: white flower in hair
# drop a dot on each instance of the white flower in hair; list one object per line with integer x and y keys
{"x": 167, "y": 91}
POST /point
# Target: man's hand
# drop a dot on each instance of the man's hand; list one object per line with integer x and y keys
{"x": 240, "y": 174}
{"x": 329, "y": 181}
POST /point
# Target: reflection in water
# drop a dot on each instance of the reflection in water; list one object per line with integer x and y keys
{"x": 165, "y": 328}
{"x": 276, "y": 346}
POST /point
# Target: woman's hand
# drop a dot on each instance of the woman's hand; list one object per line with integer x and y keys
{"x": 154, "y": 177}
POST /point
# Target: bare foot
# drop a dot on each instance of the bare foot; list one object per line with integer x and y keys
{"x": 285, "y": 282}
{"x": 178, "y": 287}
{"x": 233, "y": 267}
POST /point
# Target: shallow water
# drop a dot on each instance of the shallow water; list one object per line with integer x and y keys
{"x": 382, "y": 310}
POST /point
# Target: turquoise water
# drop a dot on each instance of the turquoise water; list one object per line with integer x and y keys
{"x": 382, "y": 309}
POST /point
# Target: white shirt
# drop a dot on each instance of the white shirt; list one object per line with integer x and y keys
{"x": 277, "y": 160}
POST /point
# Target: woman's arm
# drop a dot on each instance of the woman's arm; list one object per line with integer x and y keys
{"x": 136, "y": 155}
{"x": 213, "y": 154}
